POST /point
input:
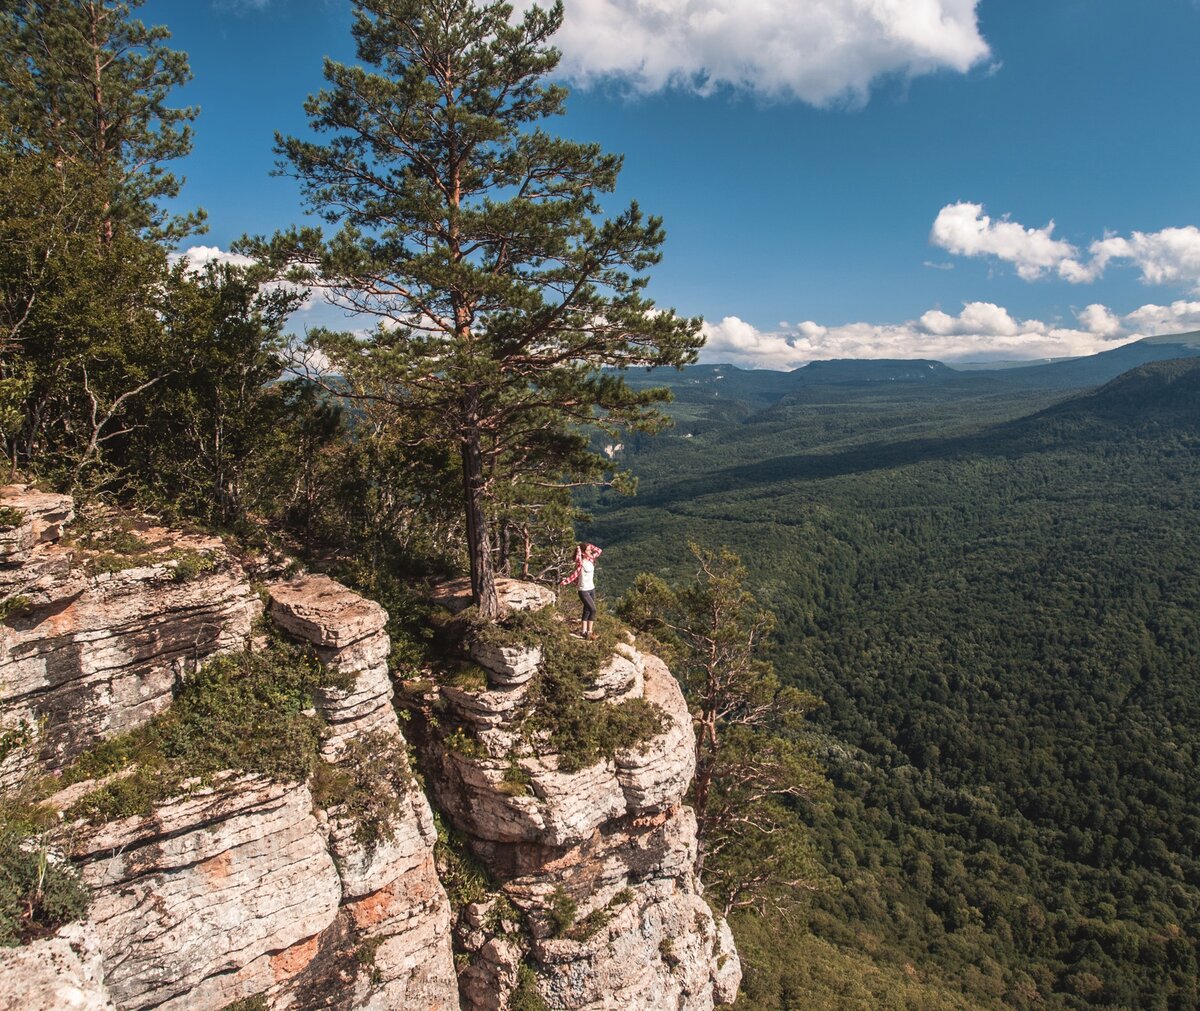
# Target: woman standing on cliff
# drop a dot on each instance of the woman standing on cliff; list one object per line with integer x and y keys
{"x": 585, "y": 572}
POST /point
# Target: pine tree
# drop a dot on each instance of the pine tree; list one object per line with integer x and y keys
{"x": 87, "y": 84}
{"x": 754, "y": 756}
{"x": 505, "y": 304}
{"x": 85, "y": 133}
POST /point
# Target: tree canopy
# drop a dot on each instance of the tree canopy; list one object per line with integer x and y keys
{"x": 504, "y": 303}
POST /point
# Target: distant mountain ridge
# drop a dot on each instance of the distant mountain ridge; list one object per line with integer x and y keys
{"x": 872, "y": 370}
{"x": 762, "y": 387}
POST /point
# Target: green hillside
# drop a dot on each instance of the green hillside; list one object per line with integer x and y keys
{"x": 998, "y": 597}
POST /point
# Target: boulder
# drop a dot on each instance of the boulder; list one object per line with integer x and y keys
{"x": 515, "y": 595}
{"x": 319, "y": 610}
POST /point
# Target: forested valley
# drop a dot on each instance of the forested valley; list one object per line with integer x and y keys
{"x": 993, "y": 585}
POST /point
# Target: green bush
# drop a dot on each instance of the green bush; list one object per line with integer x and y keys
{"x": 525, "y": 995}
{"x": 464, "y": 878}
{"x": 11, "y": 518}
{"x": 515, "y": 781}
{"x": 190, "y": 563}
{"x": 580, "y": 732}
{"x": 12, "y": 606}
{"x": 37, "y": 894}
{"x": 562, "y": 911}
{"x": 243, "y": 711}
{"x": 367, "y": 785}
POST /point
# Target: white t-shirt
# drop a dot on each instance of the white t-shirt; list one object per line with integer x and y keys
{"x": 587, "y": 575}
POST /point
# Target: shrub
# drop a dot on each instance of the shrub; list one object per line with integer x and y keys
{"x": 367, "y": 785}
{"x": 243, "y": 711}
{"x": 190, "y": 563}
{"x": 561, "y": 910}
{"x": 38, "y": 894}
{"x": 515, "y": 782}
{"x": 462, "y": 742}
{"x": 525, "y": 995}
{"x": 11, "y": 607}
{"x": 465, "y": 879}
{"x": 11, "y": 518}
{"x": 579, "y": 731}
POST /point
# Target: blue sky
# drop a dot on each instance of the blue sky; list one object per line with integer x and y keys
{"x": 839, "y": 178}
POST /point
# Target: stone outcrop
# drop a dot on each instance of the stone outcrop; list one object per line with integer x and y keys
{"x": 62, "y": 973}
{"x": 612, "y": 844}
{"x": 86, "y": 654}
{"x": 393, "y": 899}
{"x": 329, "y": 895}
{"x": 514, "y": 594}
{"x": 202, "y": 902}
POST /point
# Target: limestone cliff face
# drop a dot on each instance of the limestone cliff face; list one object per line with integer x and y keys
{"x": 84, "y": 656}
{"x": 612, "y": 843}
{"x": 241, "y": 886}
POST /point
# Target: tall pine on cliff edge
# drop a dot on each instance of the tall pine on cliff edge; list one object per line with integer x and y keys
{"x": 477, "y": 242}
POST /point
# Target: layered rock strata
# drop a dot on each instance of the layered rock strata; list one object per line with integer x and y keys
{"x": 610, "y": 847}
{"x": 393, "y": 902}
{"x": 240, "y": 886}
{"x": 86, "y": 654}
{"x": 62, "y": 973}
{"x": 244, "y": 887}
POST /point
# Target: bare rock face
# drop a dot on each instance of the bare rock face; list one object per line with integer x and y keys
{"x": 45, "y": 516}
{"x": 64, "y": 972}
{"x": 195, "y": 903}
{"x": 90, "y": 655}
{"x": 347, "y": 633}
{"x": 394, "y": 905}
{"x": 598, "y": 861}
{"x": 514, "y": 594}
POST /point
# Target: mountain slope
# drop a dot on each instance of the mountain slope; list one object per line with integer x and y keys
{"x": 1002, "y": 619}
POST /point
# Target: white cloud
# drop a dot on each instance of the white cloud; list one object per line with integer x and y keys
{"x": 818, "y": 51}
{"x": 198, "y": 257}
{"x": 1178, "y": 317}
{"x": 963, "y": 229}
{"x": 1100, "y": 320}
{"x": 982, "y": 331}
{"x": 1168, "y": 257}
{"x": 980, "y": 318}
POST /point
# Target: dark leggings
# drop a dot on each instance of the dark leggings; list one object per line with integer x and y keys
{"x": 589, "y": 604}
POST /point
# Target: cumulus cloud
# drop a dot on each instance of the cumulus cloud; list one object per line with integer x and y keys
{"x": 817, "y": 51}
{"x": 964, "y": 229}
{"x": 1100, "y": 320}
{"x": 1178, "y": 317}
{"x": 199, "y": 257}
{"x": 982, "y": 331}
{"x": 1168, "y": 257}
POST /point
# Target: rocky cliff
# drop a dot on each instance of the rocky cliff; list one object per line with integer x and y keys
{"x": 242, "y": 886}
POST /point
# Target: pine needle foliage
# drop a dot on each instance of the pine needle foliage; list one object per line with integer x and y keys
{"x": 506, "y": 304}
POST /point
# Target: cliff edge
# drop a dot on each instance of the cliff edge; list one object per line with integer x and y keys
{"x": 557, "y": 769}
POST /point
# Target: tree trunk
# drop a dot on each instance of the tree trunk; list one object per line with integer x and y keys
{"x": 479, "y": 548}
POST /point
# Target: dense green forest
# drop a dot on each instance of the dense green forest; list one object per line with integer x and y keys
{"x": 995, "y": 590}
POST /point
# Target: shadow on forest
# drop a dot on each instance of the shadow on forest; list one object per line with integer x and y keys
{"x": 817, "y": 466}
